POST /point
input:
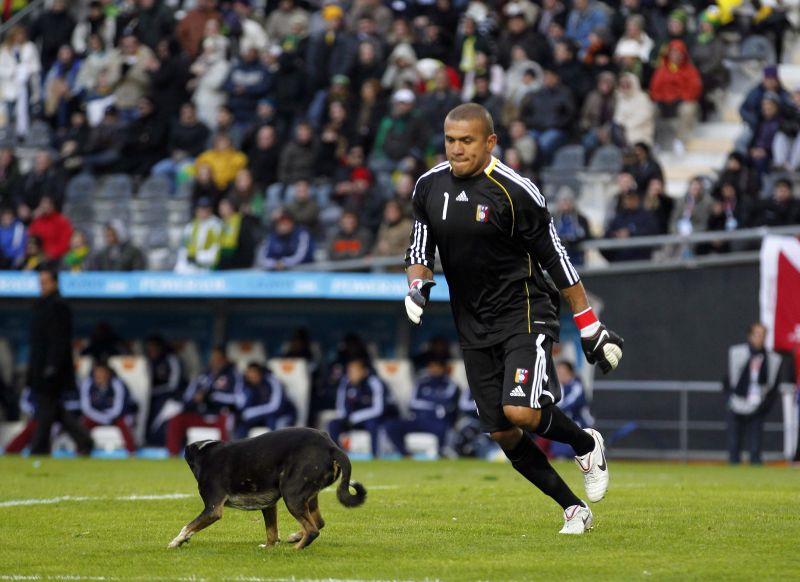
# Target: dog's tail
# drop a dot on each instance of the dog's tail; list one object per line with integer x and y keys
{"x": 343, "y": 491}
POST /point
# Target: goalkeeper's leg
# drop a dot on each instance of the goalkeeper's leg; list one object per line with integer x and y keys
{"x": 529, "y": 397}
{"x": 530, "y": 462}
{"x": 555, "y": 425}
{"x": 552, "y": 423}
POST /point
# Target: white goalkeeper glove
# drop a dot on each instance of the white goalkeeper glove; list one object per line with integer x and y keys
{"x": 419, "y": 292}
{"x": 600, "y": 345}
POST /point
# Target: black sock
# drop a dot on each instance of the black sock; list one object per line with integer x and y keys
{"x": 531, "y": 463}
{"x": 557, "y": 426}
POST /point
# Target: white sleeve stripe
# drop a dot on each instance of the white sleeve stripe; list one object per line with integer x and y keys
{"x": 421, "y": 244}
{"x": 566, "y": 265}
{"x": 424, "y": 244}
{"x": 417, "y": 254}
{"x": 525, "y": 183}
{"x": 302, "y": 248}
{"x": 413, "y": 245}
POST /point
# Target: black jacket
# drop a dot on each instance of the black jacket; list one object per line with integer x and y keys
{"x": 50, "y": 367}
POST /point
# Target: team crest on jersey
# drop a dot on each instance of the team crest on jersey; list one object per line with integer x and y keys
{"x": 521, "y": 376}
{"x": 482, "y": 213}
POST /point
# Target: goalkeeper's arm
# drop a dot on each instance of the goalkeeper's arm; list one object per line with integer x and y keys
{"x": 600, "y": 345}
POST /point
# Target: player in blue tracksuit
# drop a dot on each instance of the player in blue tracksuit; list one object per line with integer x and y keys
{"x": 433, "y": 407}
{"x": 106, "y": 401}
{"x": 264, "y": 402}
{"x": 27, "y": 406}
{"x": 363, "y": 402}
{"x": 167, "y": 382}
{"x": 208, "y": 401}
{"x": 573, "y": 403}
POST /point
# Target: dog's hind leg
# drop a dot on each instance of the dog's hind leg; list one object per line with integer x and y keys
{"x": 300, "y": 511}
{"x": 271, "y": 522}
{"x": 316, "y": 517}
{"x": 313, "y": 507}
{"x": 210, "y": 514}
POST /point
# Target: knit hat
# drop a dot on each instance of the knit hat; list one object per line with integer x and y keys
{"x": 679, "y": 14}
{"x": 332, "y": 11}
{"x": 710, "y": 15}
{"x": 361, "y": 173}
{"x": 771, "y": 72}
{"x": 403, "y": 96}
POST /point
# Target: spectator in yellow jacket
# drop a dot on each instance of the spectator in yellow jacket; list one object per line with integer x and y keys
{"x": 224, "y": 160}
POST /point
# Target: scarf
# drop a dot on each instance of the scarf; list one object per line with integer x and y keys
{"x": 75, "y": 258}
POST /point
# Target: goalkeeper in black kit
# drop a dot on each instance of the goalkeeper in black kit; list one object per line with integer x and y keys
{"x": 496, "y": 240}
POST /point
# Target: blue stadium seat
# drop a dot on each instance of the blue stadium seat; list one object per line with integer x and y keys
{"x": 116, "y": 187}
{"x": 81, "y": 188}
{"x": 607, "y": 158}
{"x": 7, "y": 138}
{"x": 155, "y": 187}
{"x": 569, "y": 157}
{"x": 39, "y": 135}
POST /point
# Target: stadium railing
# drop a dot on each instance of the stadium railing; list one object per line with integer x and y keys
{"x": 32, "y": 9}
{"x": 379, "y": 264}
{"x": 693, "y": 433}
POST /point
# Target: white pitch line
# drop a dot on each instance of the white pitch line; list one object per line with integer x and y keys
{"x": 62, "y": 498}
{"x": 78, "y": 498}
{"x": 78, "y": 577}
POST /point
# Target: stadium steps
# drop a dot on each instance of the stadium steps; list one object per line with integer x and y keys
{"x": 705, "y": 151}
{"x": 680, "y": 168}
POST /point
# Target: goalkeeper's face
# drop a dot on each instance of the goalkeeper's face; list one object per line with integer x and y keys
{"x": 467, "y": 145}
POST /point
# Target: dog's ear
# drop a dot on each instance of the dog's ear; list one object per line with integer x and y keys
{"x": 195, "y": 451}
{"x": 203, "y": 444}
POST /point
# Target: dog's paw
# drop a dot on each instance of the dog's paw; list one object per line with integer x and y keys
{"x": 275, "y": 543}
{"x": 295, "y": 537}
{"x": 177, "y": 542}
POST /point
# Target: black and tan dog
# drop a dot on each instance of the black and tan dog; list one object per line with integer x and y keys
{"x": 293, "y": 463}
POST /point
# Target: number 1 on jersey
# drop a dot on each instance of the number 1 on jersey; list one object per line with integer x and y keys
{"x": 446, "y": 201}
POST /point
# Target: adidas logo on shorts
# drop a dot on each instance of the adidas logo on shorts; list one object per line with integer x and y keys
{"x": 518, "y": 391}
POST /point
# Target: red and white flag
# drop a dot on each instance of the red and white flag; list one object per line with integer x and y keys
{"x": 780, "y": 292}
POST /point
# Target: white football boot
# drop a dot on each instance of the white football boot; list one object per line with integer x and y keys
{"x": 577, "y": 520}
{"x": 594, "y": 467}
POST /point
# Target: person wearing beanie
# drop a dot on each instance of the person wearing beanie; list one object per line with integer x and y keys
{"x": 676, "y": 30}
{"x": 750, "y": 110}
{"x": 287, "y": 246}
{"x": 676, "y": 89}
{"x": 200, "y": 243}
{"x": 707, "y": 53}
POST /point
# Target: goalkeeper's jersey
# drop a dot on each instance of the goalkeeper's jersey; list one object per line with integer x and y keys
{"x": 495, "y": 239}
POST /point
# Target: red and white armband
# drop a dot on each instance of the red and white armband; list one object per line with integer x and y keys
{"x": 587, "y": 322}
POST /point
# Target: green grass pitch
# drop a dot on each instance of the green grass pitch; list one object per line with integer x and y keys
{"x": 447, "y": 520}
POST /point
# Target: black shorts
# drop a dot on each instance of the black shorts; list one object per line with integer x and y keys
{"x": 518, "y": 371}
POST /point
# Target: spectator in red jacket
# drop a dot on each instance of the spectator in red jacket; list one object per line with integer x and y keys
{"x": 676, "y": 88}
{"x": 52, "y": 227}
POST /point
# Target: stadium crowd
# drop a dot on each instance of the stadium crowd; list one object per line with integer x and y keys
{"x": 296, "y": 129}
